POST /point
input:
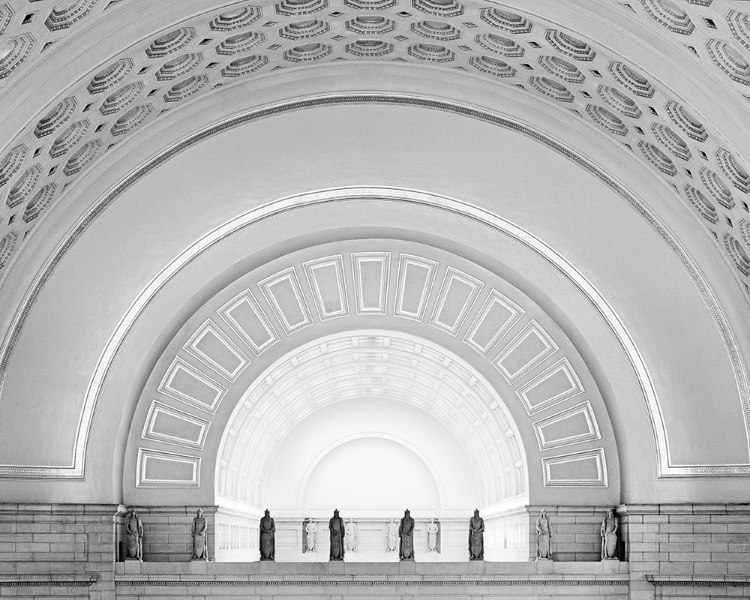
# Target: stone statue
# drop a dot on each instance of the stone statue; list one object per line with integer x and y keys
{"x": 432, "y": 535}
{"x": 267, "y": 537}
{"x": 543, "y": 537}
{"x": 351, "y": 536}
{"x": 406, "y": 533}
{"x": 200, "y": 529}
{"x": 134, "y": 536}
{"x": 310, "y": 529}
{"x": 392, "y": 535}
{"x": 476, "y": 537}
{"x": 337, "y": 531}
{"x": 609, "y": 535}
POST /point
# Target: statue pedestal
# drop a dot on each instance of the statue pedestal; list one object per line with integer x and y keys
{"x": 610, "y": 565}
{"x": 136, "y": 559}
{"x": 336, "y": 567}
{"x": 545, "y": 565}
{"x": 266, "y": 567}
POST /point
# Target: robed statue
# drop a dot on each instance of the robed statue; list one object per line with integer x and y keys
{"x": 200, "y": 530}
{"x": 406, "y": 533}
{"x": 134, "y": 536}
{"x": 543, "y": 537}
{"x": 609, "y": 535}
{"x": 351, "y": 536}
{"x": 476, "y": 537}
{"x": 432, "y": 536}
{"x": 310, "y": 530}
{"x": 392, "y": 535}
{"x": 338, "y": 531}
{"x": 267, "y": 542}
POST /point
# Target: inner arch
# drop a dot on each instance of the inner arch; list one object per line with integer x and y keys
{"x": 334, "y": 403}
{"x": 402, "y": 474}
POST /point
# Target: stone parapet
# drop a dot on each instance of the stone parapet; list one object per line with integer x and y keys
{"x": 478, "y": 579}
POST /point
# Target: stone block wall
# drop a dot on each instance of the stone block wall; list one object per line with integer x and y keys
{"x": 57, "y": 550}
{"x": 576, "y": 531}
{"x": 675, "y": 551}
{"x": 701, "y": 551}
{"x": 477, "y": 580}
{"x": 167, "y": 532}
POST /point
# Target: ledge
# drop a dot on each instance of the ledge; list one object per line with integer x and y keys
{"x": 699, "y": 580}
{"x": 372, "y": 574}
{"x": 47, "y": 580}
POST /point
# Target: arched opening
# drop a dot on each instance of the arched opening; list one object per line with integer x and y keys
{"x": 372, "y": 423}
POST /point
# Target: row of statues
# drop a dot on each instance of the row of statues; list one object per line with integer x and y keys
{"x": 350, "y": 537}
{"x": 343, "y": 536}
{"x": 134, "y": 536}
{"x": 352, "y": 533}
{"x": 608, "y": 533}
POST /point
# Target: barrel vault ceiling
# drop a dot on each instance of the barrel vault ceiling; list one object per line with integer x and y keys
{"x": 89, "y": 90}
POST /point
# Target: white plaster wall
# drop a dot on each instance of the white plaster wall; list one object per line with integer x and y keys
{"x": 371, "y": 458}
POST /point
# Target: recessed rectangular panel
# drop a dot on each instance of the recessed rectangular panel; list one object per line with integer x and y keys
{"x": 212, "y": 347}
{"x": 371, "y": 271}
{"x": 172, "y": 426}
{"x": 245, "y": 316}
{"x": 497, "y": 316}
{"x": 415, "y": 279}
{"x": 326, "y": 278}
{"x": 166, "y": 469}
{"x": 528, "y": 349}
{"x": 284, "y": 294}
{"x": 572, "y": 426}
{"x": 580, "y": 469}
{"x": 553, "y": 385}
{"x": 455, "y": 299}
{"x": 184, "y": 382}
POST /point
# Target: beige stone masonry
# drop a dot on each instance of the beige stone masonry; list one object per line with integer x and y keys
{"x": 575, "y": 531}
{"x": 478, "y": 579}
{"x": 701, "y": 551}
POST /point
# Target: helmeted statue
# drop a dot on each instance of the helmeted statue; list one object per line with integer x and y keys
{"x": 134, "y": 536}
{"x": 310, "y": 530}
{"x": 267, "y": 543}
{"x": 351, "y": 535}
{"x": 476, "y": 537}
{"x": 406, "y": 533}
{"x": 200, "y": 531}
{"x": 609, "y": 535}
{"x": 543, "y": 537}
{"x": 432, "y": 536}
{"x": 392, "y": 535}
{"x": 338, "y": 531}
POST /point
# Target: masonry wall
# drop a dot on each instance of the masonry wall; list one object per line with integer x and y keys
{"x": 700, "y": 551}
{"x": 369, "y": 581}
{"x": 57, "y": 551}
{"x": 167, "y": 532}
{"x": 576, "y": 531}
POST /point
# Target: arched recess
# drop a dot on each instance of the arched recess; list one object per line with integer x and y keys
{"x": 451, "y": 228}
{"x": 264, "y": 351}
{"x": 335, "y": 326}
